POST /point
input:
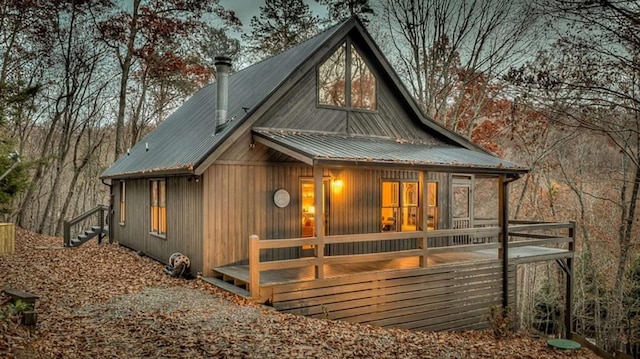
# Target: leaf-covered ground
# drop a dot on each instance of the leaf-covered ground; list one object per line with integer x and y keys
{"x": 104, "y": 300}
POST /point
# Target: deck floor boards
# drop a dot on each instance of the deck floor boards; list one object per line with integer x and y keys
{"x": 518, "y": 255}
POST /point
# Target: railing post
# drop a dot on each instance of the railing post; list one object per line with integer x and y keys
{"x": 254, "y": 265}
{"x": 101, "y": 224}
{"x": 67, "y": 234}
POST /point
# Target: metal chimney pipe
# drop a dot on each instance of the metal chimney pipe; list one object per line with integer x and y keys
{"x": 223, "y": 68}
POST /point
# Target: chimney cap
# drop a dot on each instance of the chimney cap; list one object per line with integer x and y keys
{"x": 222, "y": 60}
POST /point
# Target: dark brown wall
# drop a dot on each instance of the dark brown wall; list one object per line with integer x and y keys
{"x": 240, "y": 203}
{"x": 298, "y": 110}
{"x": 184, "y": 220}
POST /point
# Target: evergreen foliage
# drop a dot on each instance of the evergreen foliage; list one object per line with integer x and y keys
{"x": 339, "y": 9}
{"x": 280, "y": 25}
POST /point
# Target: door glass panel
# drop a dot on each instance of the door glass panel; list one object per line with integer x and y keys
{"x": 432, "y": 204}
{"x": 409, "y": 206}
{"x": 307, "y": 204}
{"x": 461, "y": 202}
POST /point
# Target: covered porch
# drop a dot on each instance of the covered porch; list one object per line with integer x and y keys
{"x": 440, "y": 288}
{"x": 528, "y": 242}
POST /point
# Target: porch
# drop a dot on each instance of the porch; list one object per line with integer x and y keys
{"x": 527, "y": 242}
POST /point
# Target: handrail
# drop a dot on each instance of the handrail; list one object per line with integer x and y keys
{"x": 68, "y": 223}
{"x": 255, "y": 245}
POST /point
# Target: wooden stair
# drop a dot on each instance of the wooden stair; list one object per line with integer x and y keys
{"x": 79, "y": 224}
{"x": 224, "y": 280}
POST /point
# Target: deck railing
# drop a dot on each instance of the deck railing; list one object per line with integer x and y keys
{"x": 476, "y": 239}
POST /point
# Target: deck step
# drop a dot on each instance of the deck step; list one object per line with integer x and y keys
{"x": 227, "y": 286}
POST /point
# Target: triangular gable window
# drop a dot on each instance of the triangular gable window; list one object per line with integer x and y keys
{"x": 333, "y": 88}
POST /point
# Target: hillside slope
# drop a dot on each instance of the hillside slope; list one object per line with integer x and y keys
{"x": 106, "y": 301}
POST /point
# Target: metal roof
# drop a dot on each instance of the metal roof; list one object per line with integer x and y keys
{"x": 339, "y": 148}
{"x": 185, "y": 141}
{"x": 187, "y": 136}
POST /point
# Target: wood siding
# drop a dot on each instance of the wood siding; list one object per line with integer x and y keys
{"x": 240, "y": 203}
{"x": 298, "y": 109}
{"x": 184, "y": 220}
{"x": 436, "y": 298}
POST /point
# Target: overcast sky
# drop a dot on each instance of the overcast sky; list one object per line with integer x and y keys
{"x": 245, "y": 9}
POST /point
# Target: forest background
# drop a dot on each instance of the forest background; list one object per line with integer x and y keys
{"x": 551, "y": 84}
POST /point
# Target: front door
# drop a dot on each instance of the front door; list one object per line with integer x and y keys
{"x": 310, "y": 210}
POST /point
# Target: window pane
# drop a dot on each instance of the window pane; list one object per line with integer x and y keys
{"x": 460, "y": 202}
{"x": 162, "y": 220}
{"x": 390, "y": 202}
{"x": 331, "y": 79}
{"x": 432, "y": 205}
{"x": 363, "y": 83}
{"x": 122, "y": 202}
{"x": 410, "y": 190}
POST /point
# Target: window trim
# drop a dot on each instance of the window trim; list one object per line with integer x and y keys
{"x": 347, "y": 80}
{"x": 162, "y": 215}
{"x": 401, "y": 205}
{"x": 123, "y": 204}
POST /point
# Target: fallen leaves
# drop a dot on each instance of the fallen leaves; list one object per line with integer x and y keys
{"x": 106, "y": 301}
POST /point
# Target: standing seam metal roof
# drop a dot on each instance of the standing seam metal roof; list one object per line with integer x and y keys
{"x": 187, "y": 137}
{"x": 339, "y": 147}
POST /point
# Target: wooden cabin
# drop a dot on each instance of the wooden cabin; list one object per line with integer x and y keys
{"x": 312, "y": 181}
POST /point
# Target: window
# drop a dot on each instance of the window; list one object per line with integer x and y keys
{"x": 400, "y": 206}
{"x": 359, "y": 92}
{"x": 363, "y": 83}
{"x": 123, "y": 203}
{"x": 332, "y": 79}
{"x": 158, "y": 207}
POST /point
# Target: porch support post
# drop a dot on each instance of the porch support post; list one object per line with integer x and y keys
{"x": 254, "y": 266}
{"x": 318, "y": 178}
{"x": 423, "y": 241}
{"x": 568, "y": 315}
{"x": 503, "y": 220}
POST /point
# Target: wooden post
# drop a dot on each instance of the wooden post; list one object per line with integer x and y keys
{"x": 66, "y": 234}
{"x": 7, "y": 238}
{"x": 318, "y": 180}
{"x": 503, "y": 221}
{"x": 568, "y": 315}
{"x": 424, "y": 220}
{"x": 254, "y": 265}
{"x": 101, "y": 224}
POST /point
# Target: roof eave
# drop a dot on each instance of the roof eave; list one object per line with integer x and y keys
{"x": 433, "y": 167}
{"x": 150, "y": 174}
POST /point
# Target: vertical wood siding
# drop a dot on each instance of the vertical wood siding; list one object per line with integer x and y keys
{"x": 298, "y": 109}
{"x": 184, "y": 220}
{"x": 240, "y": 203}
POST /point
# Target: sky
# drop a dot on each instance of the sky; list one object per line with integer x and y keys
{"x": 245, "y": 9}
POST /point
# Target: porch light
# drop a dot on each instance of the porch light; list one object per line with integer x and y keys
{"x": 338, "y": 183}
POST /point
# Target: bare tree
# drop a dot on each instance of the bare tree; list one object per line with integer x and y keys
{"x": 444, "y": 46}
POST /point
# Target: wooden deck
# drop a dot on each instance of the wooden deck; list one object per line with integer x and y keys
{"x": 518, "y": 255}
{"x": 427, "y": 288}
